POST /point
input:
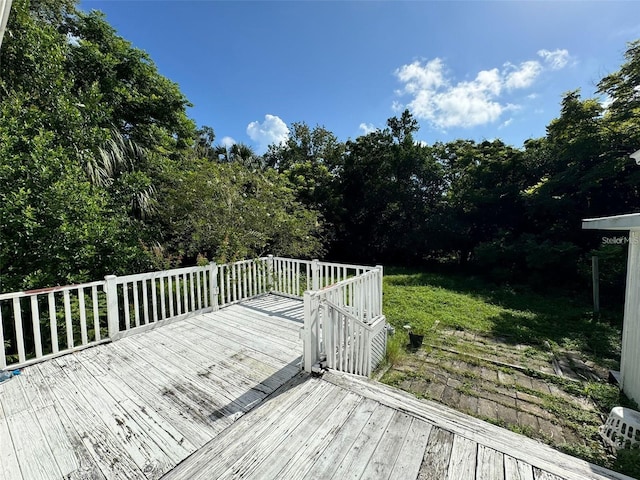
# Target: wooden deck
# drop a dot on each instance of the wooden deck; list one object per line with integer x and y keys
{"x": 220, "y": 396}
{"x": 135, "y": 408}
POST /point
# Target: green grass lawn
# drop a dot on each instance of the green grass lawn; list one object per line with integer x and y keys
{"x": 514, "y": 314}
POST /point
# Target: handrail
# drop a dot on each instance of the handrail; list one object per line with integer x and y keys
{"x": 37, "y": 291}
{"x": 350, "y": 315}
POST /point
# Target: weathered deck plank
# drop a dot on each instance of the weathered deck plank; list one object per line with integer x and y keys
{"x": 72, "y": 457}
{"x": 435, "y": 462}
{"x": 462, "y": 463}
{"x": 9, "y": 467}
{"x": 29, "y": 438}
{"x": 120, "y": 374}
{"x": 384, "y": 457}
{"x": 517, "y": 469}
{"x": 413, "y": 448}
{"x": 136, "y": 435}
{"x": 313, "y": 446}
{"x": 225, "y": 359}
{"x": 334, "y": 453}
{"x": 358, "y": 456}
{"x": 490, "y": 464}
{"x": 269, "y": 456}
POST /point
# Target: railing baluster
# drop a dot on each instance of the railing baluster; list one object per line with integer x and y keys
{"x": 17, "y": 318}
{"x": 199, "y": 288}
{"x": 125, "y": 300}
{"x": 292, "y": 273}
{"x": 136, "y": 304}
{"x": 96, "y": 313}
{"x": 163, "y": 303}
{"x": 154, "y": 299}
{"x": 244, "y": 282}
{"x": 53, "y": 322}
{"x": 83, "y": 317}
{"x": 192, "y": 289}
{"x": 236, "y": 283}
{"x": 254, "y": 277}
{"x": 68, "y": 319}
{"x": 170, "y": 295}
{"x": 35, "y": 322}
{"x": 178, "y": 292}
{"x": 145, "y": 302}
{"x": 185, "y": 292}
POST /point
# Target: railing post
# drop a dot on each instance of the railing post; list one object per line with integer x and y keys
{"x": 315, "y": 274}
{"x": 270, "y": 279}
{"x": 380, "y": 287}
{"x": 113, "y": 318}
{"x": 309, "y": 333}
{"x": 213, "y": 286}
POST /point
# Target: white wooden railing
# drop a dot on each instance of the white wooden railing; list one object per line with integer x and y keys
{"x": 142, "y": 300}
{"x": 40, "y": 324}
{"x": 293, "y": 277}
{"x": 344, "y": 325}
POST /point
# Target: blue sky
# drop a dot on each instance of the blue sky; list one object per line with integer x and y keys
{"x": 466, "y": 69}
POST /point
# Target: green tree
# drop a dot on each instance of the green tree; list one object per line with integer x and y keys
{"x": 311, "y": 159}
{"x": 226, "y": 211}
{"x": 390, "y": 186}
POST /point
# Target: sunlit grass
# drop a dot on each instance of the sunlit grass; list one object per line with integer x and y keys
{"x": 434, "y": 301}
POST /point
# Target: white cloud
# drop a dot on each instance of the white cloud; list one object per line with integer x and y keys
{"x": 367, "y": 128}
{"x": 417, "y": 77}
{"x": 506, "y": 123}
{"x": 523, "y": 76}
{"x": 435, "y": 97}
{"x": 445, "y": 105}
{"x": 227, "y": 142}
{"x": 557, "y": 59}
{"x": 272, "y": 130}
{"x": 397, "y": 106}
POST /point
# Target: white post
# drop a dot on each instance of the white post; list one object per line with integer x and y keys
{"x": 380, "y": 287}
{"x": 309, "y": 333}
{"x": 113, "y": 319}
{"x": 213, "y": 286}
{"x": 315, "y": 274}
{"x": 629, "y": 376}
{"x": 270, "y": 279}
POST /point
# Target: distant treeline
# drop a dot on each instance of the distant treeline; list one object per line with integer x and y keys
{"x": 102, "y": 171}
